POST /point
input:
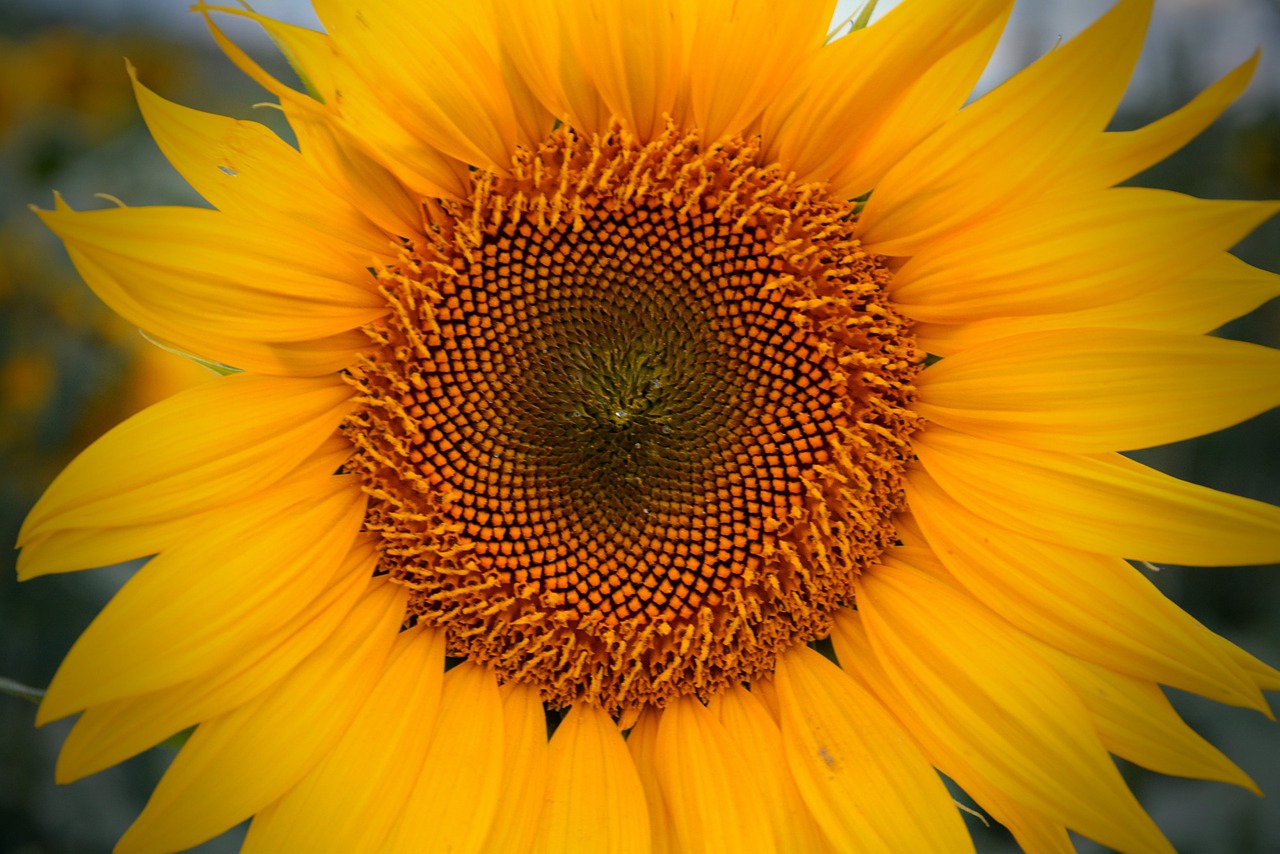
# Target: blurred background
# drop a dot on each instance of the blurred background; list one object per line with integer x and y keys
{"x": 69, "y": 370}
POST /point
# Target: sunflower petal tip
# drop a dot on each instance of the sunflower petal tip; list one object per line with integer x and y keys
{"x": 1147, "y": 6}
{"x": 50, "y": 710}
{"x": 25, "y": 571}
{"x": 65, "y": 771}
{"x": 1246, "y": 782}
{"x": 32, "y": 558}
{"x": 59, "y": 205}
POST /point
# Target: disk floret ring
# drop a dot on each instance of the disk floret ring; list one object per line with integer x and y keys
{"x": 636, "y": 419}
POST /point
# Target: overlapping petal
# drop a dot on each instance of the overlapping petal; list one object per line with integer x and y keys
{"x": 185, "y": 455}
{"x": 1197, "y": 302}
{"x": 281, "y": 735}
{"x": 524, "y": 770}
{"x": 1093, "y": 606}
{"x": 468, "y": 733}
{"x": 642, "y": 745}
{"x": 274, "y": 306}
{"x": 1003, "y": 708}
{"x": 858, "y": 82}
{"x": 210, "y": 599}
{"x": 67, "y": 549}
{"x": 1015, "y": 143}
{"x": 383, "y": 747}
{"x": 434, "y": 69}
{"x": 1035, "y": 832}
{"x": 353, "y": 174}
{"x": 243, "y": 168}
{"x": 1116, "y": 156}
{"x": 1096, "y": 390}
{"x": 1099, "y": 502}
{"x": 742, "y": 54}
{"x": 749, "y": 724}
{"x": 1137, "y": 722}
{"x": 1077, "y": 252}
{"x": 351, "y": 105}
{"x": 633, "y": 52}
{"x": 934, "y": 97}
{"x": 715, "y": 806}
{"x": 111, "y": 732}
{"x": 867, "y": 786}
{"x": 595, "y": 801}
{"x": 538, "y": 47}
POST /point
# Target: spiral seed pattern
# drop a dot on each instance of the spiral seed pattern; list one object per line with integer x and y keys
{"x": 636, "y": 418}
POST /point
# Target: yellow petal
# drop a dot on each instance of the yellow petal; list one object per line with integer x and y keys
{"x": 1094, "y": 390}
{"x": 595, "y": 801}
{"x": 1012, "y": 144}
{"x": 933, "y": 98}
{"x": 348, "y": 102}
{"x": 229, "y": 437}
{"x": 210, "y": 599}
{"x": 534, "y": 120}
{"x": 524, "y": 770}
{"x": 856, "y": 83}
{"x": 435, "y": 68}
{"x": 235, "y": 765}
{"x": 353, "y": 174}
{"x": 1196, "y": 303}
{"x": 1071, "y": 253}
{"x": 714, "y": 806}
{"x": 970, "y": 679}
{"x": 1095, "y": 607}
{"x": 538, "y": 48}
{"x": 1132, "y": 716}
{"x": 455, "y": 796}
{"x": 1266, "y": 677}
{"x": 354, "y": 795}
{"x": 743, "y": 53}
{"x": 175, "y": 262}
{"x": 747, "y": 722}
{"x": 1099, "y": 502}
{"x": 1115, "y": 157}
{"x": 865, "y": 782}
{"x": 363, "y": 117}
{"x": 642, "y": 745}
{"x": 908, "y": 530}
{"x": 767, "y": 693}
{"x": 308, "y": 357}
{"x": 116, "y": 730}
{"x": 243, "y": 168}
{"x": 70, "y": 549}
{"x": 1034, "y": 832}
{"x": 634, "y": 53}
{"x": 1138, "y": 723}
{"x": 311, "y": 57}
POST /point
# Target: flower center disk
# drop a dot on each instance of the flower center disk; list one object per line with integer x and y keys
{"x": 636, "y": 418}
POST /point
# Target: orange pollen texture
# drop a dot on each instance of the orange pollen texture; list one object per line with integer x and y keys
{"x": 636, "y": 419}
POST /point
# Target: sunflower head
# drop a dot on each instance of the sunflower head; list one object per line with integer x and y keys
{"x": 637, "y": 418}
{"x": 600, "y": 363}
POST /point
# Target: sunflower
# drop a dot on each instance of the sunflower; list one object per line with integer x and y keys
{"x": 660, "y": 426}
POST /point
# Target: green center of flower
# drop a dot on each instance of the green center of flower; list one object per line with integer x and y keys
{"x": 607, "y": 392}
{"x": 636, "y": 420}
